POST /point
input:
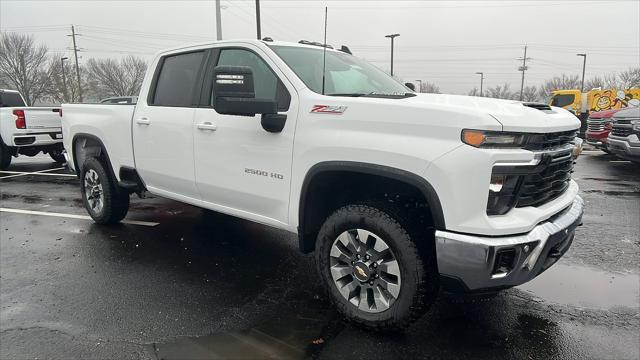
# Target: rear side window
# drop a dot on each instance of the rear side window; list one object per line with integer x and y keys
{"x": 10, "y": 99}
{"x": 176, "y": 82}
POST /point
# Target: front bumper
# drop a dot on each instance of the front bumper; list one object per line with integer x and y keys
{"x": 625, "y": 146}
{"x": 597, "y": 138}
{"x": 469, "y": 263}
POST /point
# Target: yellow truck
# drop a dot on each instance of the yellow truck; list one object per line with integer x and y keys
{"x": 583, "y": 104}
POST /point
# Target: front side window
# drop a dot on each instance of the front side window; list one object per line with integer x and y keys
{"x": 345, "y": 74}
{"x": 562, "y": 100}
{"x": 176, "y": 81}
{"x": 266, "y": 83}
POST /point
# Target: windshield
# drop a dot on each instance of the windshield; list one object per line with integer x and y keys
{"x": 10, "y": 99}
{"x": 346, "y": 74}
{"x": 562, "y": 100}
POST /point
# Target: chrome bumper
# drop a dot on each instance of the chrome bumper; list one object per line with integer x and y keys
{"x": 469, "y": 263}
{"x": 629, "y": 145}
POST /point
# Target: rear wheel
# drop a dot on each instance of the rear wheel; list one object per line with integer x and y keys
{"x": 57, "y": 156}
{"x": 5, "y": 157}
{"x": 105, "y": 201}
{"x": 370, "y": 262}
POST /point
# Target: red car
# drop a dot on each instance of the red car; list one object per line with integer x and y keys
{"x": 598, "y": 128}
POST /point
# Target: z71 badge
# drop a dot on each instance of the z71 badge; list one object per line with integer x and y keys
{"x": 328, "y": 109}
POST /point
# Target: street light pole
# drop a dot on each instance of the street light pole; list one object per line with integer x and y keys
{"x": 64, "y": 79}
{"x": 584, "y": 65}
{"x": 481, "y": 80}
{"x": 258, "y": 29}
{"x": 218, "y": 21}
{"x": 392, "y": 36}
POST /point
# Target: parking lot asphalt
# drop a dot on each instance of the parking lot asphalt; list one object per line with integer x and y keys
{"x": 182, "y": 283}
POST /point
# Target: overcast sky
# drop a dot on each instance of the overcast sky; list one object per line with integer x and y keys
{"x": 444, "y": 42}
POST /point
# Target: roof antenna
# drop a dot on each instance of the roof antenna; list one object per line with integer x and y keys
{"x": 324, "y": 49}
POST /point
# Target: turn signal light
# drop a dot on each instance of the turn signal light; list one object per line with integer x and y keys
{"x": 21, "y": 122}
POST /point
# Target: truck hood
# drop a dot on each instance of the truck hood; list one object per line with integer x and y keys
{"x": 512, "y": 115}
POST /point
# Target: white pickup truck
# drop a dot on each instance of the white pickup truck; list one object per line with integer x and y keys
{"x": 398, "y": 194}
{"x": 28, "y": 130}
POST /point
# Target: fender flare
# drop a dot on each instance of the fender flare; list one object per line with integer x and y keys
{"x": 103, "y": 151}
{"x": 410, "y": 178}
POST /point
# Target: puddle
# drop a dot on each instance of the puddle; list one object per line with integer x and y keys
{"x": 585, "y": 287}
{"x": 290, "y": 335}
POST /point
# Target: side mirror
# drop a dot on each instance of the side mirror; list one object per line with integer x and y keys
{"x": 410, "y": 86}
{"x": 234, "y": 93}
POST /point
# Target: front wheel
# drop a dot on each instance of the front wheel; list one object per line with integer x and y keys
{"x": 105, "y": 201}
{"x": 369, "y": 259}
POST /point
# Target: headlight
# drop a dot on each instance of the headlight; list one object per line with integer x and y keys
{"x": 492, "y": 139}
{"x": 636, "y": 125}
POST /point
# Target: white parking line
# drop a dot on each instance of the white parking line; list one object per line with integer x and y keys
{"x": 619, "y": 161}
{"x": 20, "y": 173}
{"x": 73, "y": 216}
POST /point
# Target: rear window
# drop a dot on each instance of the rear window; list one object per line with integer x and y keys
{"x": 562, "y": 100}
{"x": 177, "y": 79}
{"x": 11, "y": 99}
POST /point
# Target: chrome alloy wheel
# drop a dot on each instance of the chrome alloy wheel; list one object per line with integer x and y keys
{"x": 365, "y": 270}
{"x": 93, "y": 191}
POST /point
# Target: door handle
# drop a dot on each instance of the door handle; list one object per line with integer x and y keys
{"x": 207, "y": 126}
{"x": 143, "y": 121}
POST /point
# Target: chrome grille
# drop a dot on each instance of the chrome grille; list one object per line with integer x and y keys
{"x": 596, "y": 124}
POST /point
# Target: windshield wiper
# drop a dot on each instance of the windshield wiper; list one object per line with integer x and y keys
{"x": 348, "y": 94}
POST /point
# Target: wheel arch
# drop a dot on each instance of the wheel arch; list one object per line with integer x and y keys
{"x": 94, "y": 148}
{"x": 307, "y": 226}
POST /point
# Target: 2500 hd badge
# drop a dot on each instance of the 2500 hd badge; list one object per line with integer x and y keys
{"x": 264, "y": 173}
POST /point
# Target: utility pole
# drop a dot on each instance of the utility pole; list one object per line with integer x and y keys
{"x": 523, "y": 68}
{"x": 392, "y": 36}
{"x": 218, "y": 21}
{"x": 75, "y": 54}
{"x": 258, "y": 19}
{"x": 420, "y": 88}
{"x": 64, "y": 79}
{"x": 481, "y": 80}
{"x": 584, "y": 65}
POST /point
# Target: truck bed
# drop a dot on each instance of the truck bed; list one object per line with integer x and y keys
{"x": 110, "y": 123}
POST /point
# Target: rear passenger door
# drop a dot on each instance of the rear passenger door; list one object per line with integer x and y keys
{"x": 162, "y": 126}
{"x": 241, "y": 168}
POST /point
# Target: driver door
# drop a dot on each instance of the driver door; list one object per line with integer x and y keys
{"x": 239, "y": 167}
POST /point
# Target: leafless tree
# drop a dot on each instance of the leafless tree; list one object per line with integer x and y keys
{"x": 23, "y": 65}
{"x": 629, "y": 78}
{"x": 427, "y": 87}
{"x": 559, "y": 82}
{"x": 110, "y": 77}
{"x": 56, "y": 91}
{"x": 474, "y": 92}
{"x": 500, "y": 92}
{"x": 530, "y": 94}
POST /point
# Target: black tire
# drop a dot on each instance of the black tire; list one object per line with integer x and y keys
{"x": 57, "y": 156}
{"x": 419, "y": 285}
{"x": 115, "y": 200}
{"x": 5, "y": 157}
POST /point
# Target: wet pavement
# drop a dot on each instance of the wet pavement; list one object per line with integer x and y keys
{"x": 200, "y": 285}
